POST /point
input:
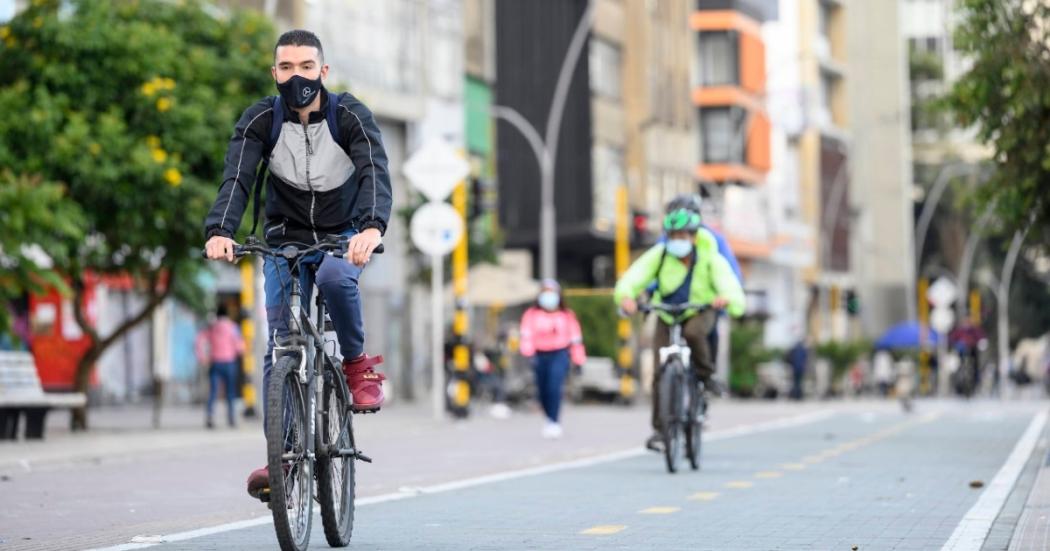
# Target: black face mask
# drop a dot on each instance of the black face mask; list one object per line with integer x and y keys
{"x": 298, "y": 91}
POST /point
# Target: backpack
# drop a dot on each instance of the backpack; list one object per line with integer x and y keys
{"x": 331, "y": 117}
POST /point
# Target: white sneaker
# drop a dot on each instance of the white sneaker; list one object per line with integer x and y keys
{"x": 552, "y": 430}
{"x": 499, "y": 411}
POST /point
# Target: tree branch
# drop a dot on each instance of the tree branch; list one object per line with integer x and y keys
{"x": 154, "y": 301}
{"x": 78, "y": 310}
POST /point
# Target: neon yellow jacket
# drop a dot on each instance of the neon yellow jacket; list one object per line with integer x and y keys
{"x": 712, "y": 276}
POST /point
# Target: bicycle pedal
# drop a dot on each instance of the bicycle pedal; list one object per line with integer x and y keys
{"x": 264, "y": 496}
{"x": 362, "y": 457}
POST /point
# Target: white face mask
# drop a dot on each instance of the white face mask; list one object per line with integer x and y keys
{"x": 679, "y": 247}
{"x": 549, "y": 300}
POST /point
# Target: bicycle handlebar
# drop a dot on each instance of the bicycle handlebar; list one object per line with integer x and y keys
{"x": 673, "y": 309}
{"x": 334, "y": 244}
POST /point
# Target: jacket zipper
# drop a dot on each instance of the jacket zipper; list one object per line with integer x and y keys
{"x": 271, "y": 230}
{"x": 313, "y": 197}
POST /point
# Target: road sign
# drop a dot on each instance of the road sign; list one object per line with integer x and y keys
{"x": 942, "y": 319}
{"x": 435, "y": 169}
{"x": 942, "y": 293}
{"x": 436, "y": 228}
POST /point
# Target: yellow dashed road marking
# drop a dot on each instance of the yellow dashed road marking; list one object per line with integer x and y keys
{"x": 660, "y": 510}
{"x": 739, "y": 484}
{"x": 704, "y": 496}
{"x": 768, "y": 474}
{"x": 603, "y": 530}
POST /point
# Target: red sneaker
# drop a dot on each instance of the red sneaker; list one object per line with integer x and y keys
{"x": 365, "y": 384}
{"x": 258, "y": 482}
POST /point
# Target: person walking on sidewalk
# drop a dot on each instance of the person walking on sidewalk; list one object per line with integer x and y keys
{"x": 218, "y": 347}
{"x": 551, "y": 337}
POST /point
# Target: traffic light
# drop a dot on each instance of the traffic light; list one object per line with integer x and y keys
{"x": 639, "y": 227}
{"x": 852, "y": 303}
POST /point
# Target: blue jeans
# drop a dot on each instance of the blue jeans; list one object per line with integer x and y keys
{"x": 224, "y": 373}
{"x": 337, "y": 279}
{"x": 551, "y": 369}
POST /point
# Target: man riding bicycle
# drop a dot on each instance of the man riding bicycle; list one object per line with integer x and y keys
{"x": 688, "y": 269}
{"x": 326, "y": 173}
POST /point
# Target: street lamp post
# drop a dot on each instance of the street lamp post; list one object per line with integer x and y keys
{"x": 926, "y": 216}
{"x": 1004, "y": 300}
{"x": 546, "y": 149}
{"x": 969, "y": 252}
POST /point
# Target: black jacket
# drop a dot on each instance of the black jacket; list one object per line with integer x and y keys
{"x": 317, "y": 185}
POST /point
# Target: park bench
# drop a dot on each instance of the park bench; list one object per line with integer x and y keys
{"x": 21, "y": 395}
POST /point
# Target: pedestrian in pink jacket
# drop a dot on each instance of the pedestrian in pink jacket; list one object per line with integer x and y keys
{"x": 551, "y": 337}
{"x": 218, "y": 347}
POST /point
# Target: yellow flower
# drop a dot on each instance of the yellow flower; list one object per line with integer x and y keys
{"x": 173, "y": 176}
{"x": 159, "y": 155}
{"x": 148, "y": 89}
{"x": 153, "y": 142}
{"x": 5, "y": 31}
{"x": 94, "y": 148}
{"x": 166, "y": 83}
{"x": 163, "y": 104}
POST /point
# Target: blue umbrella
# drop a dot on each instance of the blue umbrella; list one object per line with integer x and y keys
{"x": 905, "y": 335}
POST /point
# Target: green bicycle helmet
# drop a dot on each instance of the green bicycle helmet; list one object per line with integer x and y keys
{"x": 682, "y": 219}
{"x": 688, "y": 201}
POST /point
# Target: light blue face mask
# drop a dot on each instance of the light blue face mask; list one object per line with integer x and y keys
{"x": 549, "y": 300}
{"x": 679, "y": 247}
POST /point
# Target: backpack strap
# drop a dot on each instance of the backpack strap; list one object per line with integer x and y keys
{"x": 331, "y": 115}
{"x": 264, "y": 167}
{"x": 275, "y": 126}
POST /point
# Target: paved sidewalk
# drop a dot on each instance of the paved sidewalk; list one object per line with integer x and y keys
{"x": 1032, "y": 532}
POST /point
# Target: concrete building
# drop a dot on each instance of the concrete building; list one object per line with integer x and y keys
{"x": 627, "y": 122}
{"x": 880, "y": 163}
{"x": 934, "y": 65}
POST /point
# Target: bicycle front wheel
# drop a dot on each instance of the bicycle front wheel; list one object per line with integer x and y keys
{"x": 671, "y": 413}
{"x": 335, "y": 472}
{"x": 290, "y": 467}
{"x": 694, "y": 423}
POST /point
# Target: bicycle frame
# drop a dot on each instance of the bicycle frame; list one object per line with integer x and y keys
{"x": 305, "y": 340}
{"x": 677, "y": 347}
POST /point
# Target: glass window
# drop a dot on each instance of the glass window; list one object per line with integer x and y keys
{"x": 718, "y": 58}
{"x": 723, "y": 134}
{"x": 933, "y": 44}
{"x": 608, "y": 170}
{"x": 824, "y": 15}
{"x": 605, "y": 66}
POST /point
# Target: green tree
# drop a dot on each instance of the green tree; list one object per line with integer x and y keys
{"x": 1005, "y": 95}
{"x": 35, "y": 215}
{"x": 129, "y": 104}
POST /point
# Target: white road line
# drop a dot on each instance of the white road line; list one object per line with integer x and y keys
{"x": 973, "y": 529}
{"x": 140, "y": 542}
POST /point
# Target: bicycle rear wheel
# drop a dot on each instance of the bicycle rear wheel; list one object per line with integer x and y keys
{"x": 694, "y": 423}
{"x": 671, "y": 413}
{"x": 290, "y": 468}
{"x": 335, "y": 473}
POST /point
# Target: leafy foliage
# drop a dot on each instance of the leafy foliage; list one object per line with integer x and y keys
{"x": 1005, "y": 95}
{"x": 35, "y": 214}
{"x": 129, "y": 106}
